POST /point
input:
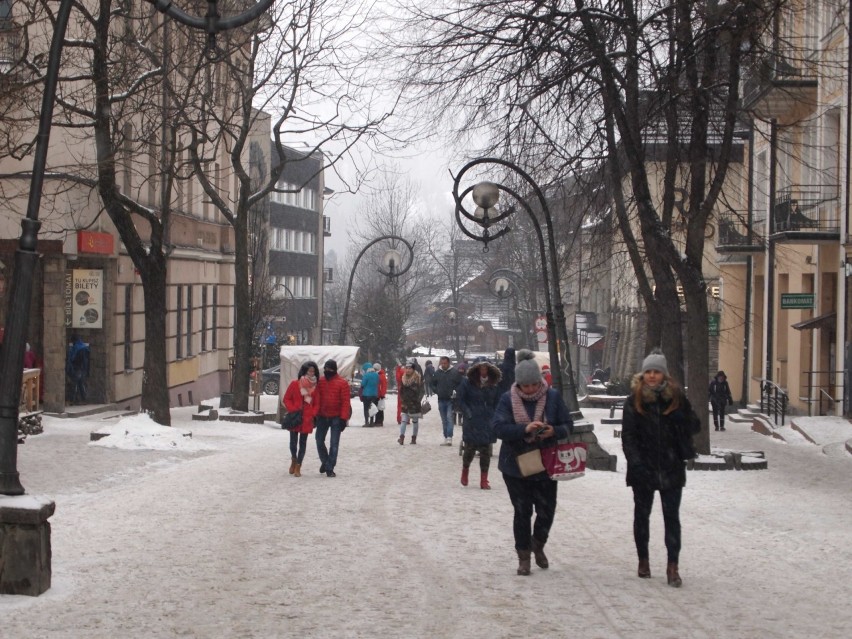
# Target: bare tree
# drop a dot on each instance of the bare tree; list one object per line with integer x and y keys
{"x": 296, "y": 67}
{"x": 651, "y": 88}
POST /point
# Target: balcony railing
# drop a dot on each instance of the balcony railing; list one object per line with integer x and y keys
{"x": 326, "y": 226}
{"x": 10, "y": 45}
{"x": 782, "y": 82}
{"x": 807, "y": 209}
{"x": 734, "y": 234}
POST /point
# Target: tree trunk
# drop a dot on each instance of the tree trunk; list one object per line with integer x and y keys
{"x": 698, "y": 356}
{"x": 242, "y": 317}
{"x": 155, "y": 383}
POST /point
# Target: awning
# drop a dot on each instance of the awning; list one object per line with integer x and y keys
{"x": 827, "y": 321}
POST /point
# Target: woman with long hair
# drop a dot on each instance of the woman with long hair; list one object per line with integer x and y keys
{"x": 656, "y": 434}
{"x": 410, "y": 395}
{"x": 302, "y": 394}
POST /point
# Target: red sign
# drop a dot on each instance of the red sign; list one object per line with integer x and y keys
{"x": 91, "y": 242}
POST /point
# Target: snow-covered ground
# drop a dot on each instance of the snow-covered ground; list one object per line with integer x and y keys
{"x": 210, "y": 537}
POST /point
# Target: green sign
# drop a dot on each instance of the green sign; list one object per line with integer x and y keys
{"x": 797, "y": 300}
{"x": 713, "y": 324}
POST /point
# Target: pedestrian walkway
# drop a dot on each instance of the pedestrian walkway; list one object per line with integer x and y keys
{"x": 227, "y": 544}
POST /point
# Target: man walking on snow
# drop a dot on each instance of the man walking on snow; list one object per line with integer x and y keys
{"x": 334, "y": 411}
{"x": 444, "y": 382}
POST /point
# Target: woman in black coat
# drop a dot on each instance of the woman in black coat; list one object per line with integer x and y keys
{"x": 720, "y": 397}
{"x": 656, "y": 434}
{"x": 477, "y": 398}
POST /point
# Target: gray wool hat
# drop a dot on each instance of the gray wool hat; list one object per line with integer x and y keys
{"x": 655, "y": 361}
{"x": 526, "y": 370}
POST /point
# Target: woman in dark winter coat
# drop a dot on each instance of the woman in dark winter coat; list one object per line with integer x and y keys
{"x": 720, "y": 397}
{"x": 302, "y": 394}
{"x": 410, "y": 396}
{"x": 656, "y": 434}
{"x": 477, "y": 396}
{"x": 530, "y": 416}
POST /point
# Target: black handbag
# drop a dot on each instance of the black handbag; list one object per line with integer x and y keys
{"x": 292, "y": 420}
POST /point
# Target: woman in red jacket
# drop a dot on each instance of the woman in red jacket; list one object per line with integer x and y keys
{"x": 302, "y": 394}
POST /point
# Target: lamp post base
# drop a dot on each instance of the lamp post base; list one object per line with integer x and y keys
{"x": 597, "y": 458}
{"x": 25, "y": 553}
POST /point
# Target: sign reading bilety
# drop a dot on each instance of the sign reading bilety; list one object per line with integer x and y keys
{"x": 84, "y": 298}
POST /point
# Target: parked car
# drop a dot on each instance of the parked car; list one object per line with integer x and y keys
{"x": 354, "y": 387}
{"x": 270, "y": 381}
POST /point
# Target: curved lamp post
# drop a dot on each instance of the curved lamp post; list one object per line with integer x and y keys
{"x": 392, "y": 261}
{"x": 506, "y": 284}
{"x": 486, "y": 195}
{"x": 26, "y": 257}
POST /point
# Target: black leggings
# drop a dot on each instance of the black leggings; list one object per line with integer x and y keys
{"x": 718, "y": 415}
{"x": 643, "y": 502}
{"x": 469, "y": 452}
{"x": 526, "y": 495}
{"x": 302, "y": 439}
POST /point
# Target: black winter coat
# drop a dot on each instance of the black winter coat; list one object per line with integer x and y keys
{"x": 477, "y": 404}
{"x": 656, "y": 445}
{"x": 444, "y": 382}
{"x": 720, "y": 393}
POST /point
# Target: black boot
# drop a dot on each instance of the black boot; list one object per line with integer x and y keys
{"x": 524, "y": 562}
{"x": 538, "y": 551}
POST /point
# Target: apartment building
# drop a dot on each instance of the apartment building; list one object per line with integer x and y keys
{"x": 784, "y": 262}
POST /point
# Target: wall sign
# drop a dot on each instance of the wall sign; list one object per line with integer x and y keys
{"x": 797, "y": 300}
{"x": 87, "y": 298}
{"x": 97, "y": 243}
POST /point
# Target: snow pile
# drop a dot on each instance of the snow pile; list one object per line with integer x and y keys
{"x": 140, "y": 432}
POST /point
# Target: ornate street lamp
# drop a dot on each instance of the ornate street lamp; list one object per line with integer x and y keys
{"x": 392, "y": 261}
{"x": 486, "y": 196}
{"x": 505, "y": 284}
{"x": 26, "y": 257}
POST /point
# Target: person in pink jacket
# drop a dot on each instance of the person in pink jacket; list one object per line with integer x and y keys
{"x": 302, "y": 394}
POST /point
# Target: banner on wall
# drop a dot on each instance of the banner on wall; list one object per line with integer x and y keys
{"x": 87, "y": 298}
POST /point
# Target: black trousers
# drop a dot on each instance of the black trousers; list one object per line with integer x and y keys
{"x": 718, "y": 414}
{"x": 643, "y": 502}
{"x": 528, "y": 495}
{"x": 302, "y": 440}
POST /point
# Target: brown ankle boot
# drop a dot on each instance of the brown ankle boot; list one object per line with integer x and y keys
{"x": 540, "y": 557}
{"x": 671, "y": 575}
{"x": 292, "y": 465}
{"x": 297, "y": 470}
{"x": 644, "y": 569}
{"x": 523, "y": 562}
{"x": 401, "y": 440}
{"x": 414, "y": 439}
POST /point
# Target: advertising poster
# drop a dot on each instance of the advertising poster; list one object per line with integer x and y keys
{"x": 87, "y": 298}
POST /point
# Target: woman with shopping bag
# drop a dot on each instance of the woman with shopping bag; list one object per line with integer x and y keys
{"x": 529, "y": 417}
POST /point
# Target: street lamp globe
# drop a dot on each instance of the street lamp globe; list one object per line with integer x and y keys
{"x": 502, "y": 288}
{"x": 391, "y": 260}
{"x": 486, "y": 195}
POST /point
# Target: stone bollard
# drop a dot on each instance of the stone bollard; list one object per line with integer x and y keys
{"x": 25, "y": 554}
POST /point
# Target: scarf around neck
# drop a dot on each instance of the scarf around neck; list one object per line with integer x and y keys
{"x": 519, "y": 411}
{"x": 307, "y": 386}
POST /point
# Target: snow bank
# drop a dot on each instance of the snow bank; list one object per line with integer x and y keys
{"x": 140, "y": 432}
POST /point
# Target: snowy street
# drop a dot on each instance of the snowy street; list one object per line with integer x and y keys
{"x": 223, "y": 542}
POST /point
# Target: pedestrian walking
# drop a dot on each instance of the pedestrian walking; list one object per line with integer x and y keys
{"x": 369, "y": 391}
{"x": 656, "y": 434}
{"x": 383, "y": 393}
{"x": 720, "y": 397}
{"x": 77, "y": 369}
{"x": 428, "y": 374}
{"x": 477, "y": 397}
{"x": 397, "y": 375}
{"x": 507, "y": 370}
{"x": 548, "y": 376}
{"x": 302, "y": 394}
{"x": 444, "y": 383}
{"x": 334, "y": 413}
{"x": 410, "y": 396}
{"x": 530, "y": 416}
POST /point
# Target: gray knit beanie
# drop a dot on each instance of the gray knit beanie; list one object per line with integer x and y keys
{"x": 655, "y": 361}
{"x": 526, "y": 370}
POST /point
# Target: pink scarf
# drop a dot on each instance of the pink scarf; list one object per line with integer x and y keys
{"x": 307, "y": 388}
{"x": 519, "y": 412}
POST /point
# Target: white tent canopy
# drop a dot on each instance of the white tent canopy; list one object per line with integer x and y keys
{"x": 292, "y": 358}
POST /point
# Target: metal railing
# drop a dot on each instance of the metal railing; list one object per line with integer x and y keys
{"x": 790, "y": 63}
{"x": 808, "y": 208}
{"x": 773, "y": 401}
{"x": 734, "y": 231}
{"x": 825, "y": 395}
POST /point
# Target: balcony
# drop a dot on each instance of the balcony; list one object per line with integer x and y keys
{"x": 782, "y": 86}
{"x": 735, "y": 236}
{"x": 807, "y": 215}
{"x": 326, "y": 226}
{"x": 10, "y": 46}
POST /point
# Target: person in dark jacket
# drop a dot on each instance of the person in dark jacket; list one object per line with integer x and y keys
{"x": 77, "y": 369}
{"x": 334, "y": 412}
{"x": 444, "y": 383}
{"x": 507, "y": 370}
{"x": 656, "y": 434}
{"x": 720, "y": 397}
{"x": 477, "y": 397}
{"x": 530, "y": 416}
{"x": 428, "y": 374}
{"x": 302, "y": 394}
